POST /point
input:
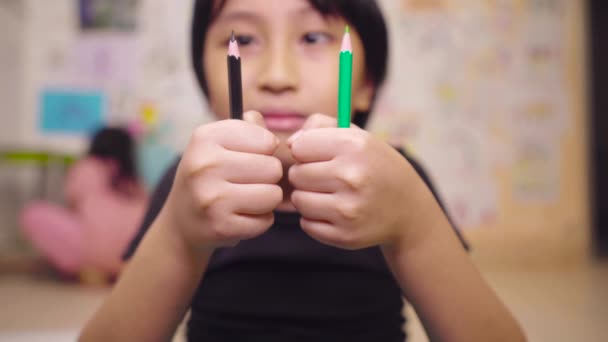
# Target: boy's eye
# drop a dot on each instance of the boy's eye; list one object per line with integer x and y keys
{"x": 244, "y": 40}
{"x": 316, "y": 38}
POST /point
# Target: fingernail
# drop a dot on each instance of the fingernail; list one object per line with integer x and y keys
{"x": 294, "y": 137}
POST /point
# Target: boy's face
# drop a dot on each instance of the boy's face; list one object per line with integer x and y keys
{"x": 290, "y": 63}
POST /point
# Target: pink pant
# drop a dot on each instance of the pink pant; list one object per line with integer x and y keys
{"x": 59, "y": 235}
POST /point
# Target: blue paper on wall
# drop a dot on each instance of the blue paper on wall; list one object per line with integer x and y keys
{"x": 71, "y": 111}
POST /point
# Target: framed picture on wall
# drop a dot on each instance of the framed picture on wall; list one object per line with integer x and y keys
{"x": 108, "y": 15}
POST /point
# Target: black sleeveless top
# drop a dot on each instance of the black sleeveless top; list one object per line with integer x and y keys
{"x": 285, "y": 286}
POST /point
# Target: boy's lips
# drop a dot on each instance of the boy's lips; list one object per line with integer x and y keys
{"x": 284, "y": 121}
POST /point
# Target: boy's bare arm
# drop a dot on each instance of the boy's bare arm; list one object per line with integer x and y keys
{"x": 451, "y": 298}
{"x": 355, "y": 191}
{"x": 154, "y": 292}
{"x": 224, "y": 191}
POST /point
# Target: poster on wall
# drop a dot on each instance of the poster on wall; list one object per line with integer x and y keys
{"x": 66, "y": 111}
{"x": 108, "y": 15}
{"x": 536, "y": 173}
{"x": 470, "y": 84}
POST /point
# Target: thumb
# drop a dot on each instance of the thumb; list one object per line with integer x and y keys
{"x": 255, "y": 118}
{"x": 319, "y": 121}
{"x": 312, "y": 122}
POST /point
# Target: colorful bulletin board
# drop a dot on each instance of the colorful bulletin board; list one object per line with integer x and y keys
{"x": 490, "y": 96}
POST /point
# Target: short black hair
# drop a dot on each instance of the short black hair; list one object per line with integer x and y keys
{"x": 364, "y": 16}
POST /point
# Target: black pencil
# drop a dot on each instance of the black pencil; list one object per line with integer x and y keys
{"x": 235, "y": 86}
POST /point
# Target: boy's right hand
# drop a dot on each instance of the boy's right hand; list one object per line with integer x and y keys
{"x": 225, "y": 188}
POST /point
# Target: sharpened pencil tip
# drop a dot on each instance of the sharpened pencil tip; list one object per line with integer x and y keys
{"x": 347, "y": 29}
{"x": 232, "y": 37}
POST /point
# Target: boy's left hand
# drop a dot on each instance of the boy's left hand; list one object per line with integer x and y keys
{"x": 352, "y": 190}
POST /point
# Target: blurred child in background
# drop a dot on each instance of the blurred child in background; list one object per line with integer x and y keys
{"x": 104, "y": 203}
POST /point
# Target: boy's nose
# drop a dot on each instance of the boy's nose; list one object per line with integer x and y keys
{"x": 279, "y": 73}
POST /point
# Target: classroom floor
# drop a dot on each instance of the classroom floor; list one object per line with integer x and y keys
{"x": 566, "y": 305}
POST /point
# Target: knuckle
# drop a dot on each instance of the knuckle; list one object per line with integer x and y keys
{"x": 271, "y": 197}
{"x": 297, "y": 147}
{"x": 225, "y": 228}
{"x": 348, "y": 241}
{"x": 212, "y": 161}
{"x": 360, "y": 143}
{"x": 186, "y": 167}
{"x": 261, "y": 225}
{"x": 201, "y": 133}
{"x": 356, "y": 142}
{"x": 269, "y": 139}
{"x": 203, "y": 167}
{"x": 207, "y": 199}
{"x": 349, "y": 211}
{"x": 292, "y": 174}
{"x": 276, "y": 168}
{"x": 276, "y": 194}
{"x": 355, "y": 178}
{"x": 195, "y": 167}
{"x": 268, "y": 221}
{"x": 296, "y": 198}
{"x": 222, "y": 232}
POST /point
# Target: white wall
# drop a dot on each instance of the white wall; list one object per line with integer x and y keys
{"x": 11, "y": 70}
{"x": 43, "y": 47}
{"x": 13, "y": 181}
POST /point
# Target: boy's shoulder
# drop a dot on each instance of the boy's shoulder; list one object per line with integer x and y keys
{"x": 415, "y": 164}
{"x": 166, "y": 180}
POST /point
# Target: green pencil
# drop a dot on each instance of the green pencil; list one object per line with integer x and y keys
{"x": 345, "y": 83}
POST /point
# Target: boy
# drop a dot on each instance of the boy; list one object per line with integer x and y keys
{"x": 284, "y": 228}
